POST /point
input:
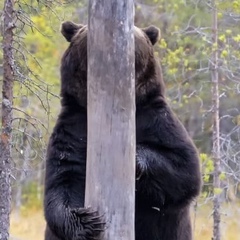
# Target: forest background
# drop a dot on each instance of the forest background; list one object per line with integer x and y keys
{"x": 185, "y": 51}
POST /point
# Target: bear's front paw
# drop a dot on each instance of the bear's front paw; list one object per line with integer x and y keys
{"x": 92, "y": 224}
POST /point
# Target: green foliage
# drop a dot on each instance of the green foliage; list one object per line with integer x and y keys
{"x": 31, "y": 197}
{"x": 217, "y": 191}
{"x": 207, "y": 167}
{"x": 207, "y": 173}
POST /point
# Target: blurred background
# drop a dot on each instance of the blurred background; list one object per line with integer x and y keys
{"x": 185, "y": 51}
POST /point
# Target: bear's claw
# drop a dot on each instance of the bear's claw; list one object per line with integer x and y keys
{"x": 92, "y": 224}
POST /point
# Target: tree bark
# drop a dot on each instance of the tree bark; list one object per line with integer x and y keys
{"x": 110, "y": 183}
{"x": 216, "y": 126}
{"x": 6, "y": 131}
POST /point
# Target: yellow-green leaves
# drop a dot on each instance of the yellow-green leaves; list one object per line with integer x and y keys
{"x": 207, "y": 167}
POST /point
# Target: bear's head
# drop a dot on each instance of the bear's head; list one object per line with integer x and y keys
{"x": 74, "y": 63}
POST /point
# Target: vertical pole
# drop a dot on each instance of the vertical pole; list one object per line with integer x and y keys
{"x": 216, "y": 126}
{"x": 110, "y": 181}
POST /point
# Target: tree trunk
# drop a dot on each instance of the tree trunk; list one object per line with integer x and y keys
{"x": 6, "y": 132}
{"x": 110, "y": 183}
{"x": 216, "y": 127}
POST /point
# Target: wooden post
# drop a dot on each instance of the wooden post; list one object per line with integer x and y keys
{"x": 110, "y": 181}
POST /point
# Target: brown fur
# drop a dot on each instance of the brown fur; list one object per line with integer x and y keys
{"x": 168, "y": 176}
{"x": 74, "y": 62}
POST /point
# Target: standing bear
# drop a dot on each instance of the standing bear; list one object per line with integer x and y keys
{"x": 167, "y": 176}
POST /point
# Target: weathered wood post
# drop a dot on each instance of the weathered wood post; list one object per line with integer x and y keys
{"x": 110, "y": 183}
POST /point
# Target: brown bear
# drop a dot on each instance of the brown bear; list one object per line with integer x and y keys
{"x": 167, "y": 176}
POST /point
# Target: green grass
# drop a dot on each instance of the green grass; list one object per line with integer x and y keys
{"x": 30, "y": 224}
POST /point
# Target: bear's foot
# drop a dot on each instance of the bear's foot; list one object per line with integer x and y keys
{"x": 90, "y": 224}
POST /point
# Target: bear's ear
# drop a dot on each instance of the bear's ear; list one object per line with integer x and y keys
{"x": 153, "y": 33}
{"x": 69, "y": 29}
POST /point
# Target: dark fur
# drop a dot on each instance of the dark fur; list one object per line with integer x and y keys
{"x": 168, "y": 176}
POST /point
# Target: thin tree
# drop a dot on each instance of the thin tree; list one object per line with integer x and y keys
{"x": 110, "y": 183}
{"x": 216, "y": 125}
{"x": 6, "y": 121}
